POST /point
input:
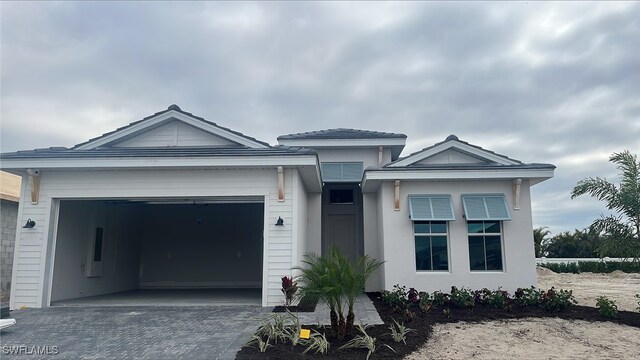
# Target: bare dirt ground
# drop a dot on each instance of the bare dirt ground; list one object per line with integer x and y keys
{"x": 550, "y": 338}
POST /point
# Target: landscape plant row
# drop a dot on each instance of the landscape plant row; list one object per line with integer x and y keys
{"x": 287, "y": 329}
{"x": 402, "y": 300}
{"x": 593, "y": 266}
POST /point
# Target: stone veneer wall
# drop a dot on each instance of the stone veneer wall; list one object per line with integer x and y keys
{"x": 8, "y": 218}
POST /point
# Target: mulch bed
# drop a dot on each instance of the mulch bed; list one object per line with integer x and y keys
{"x": 423, "y": 324}
{"x": 305, "y": 305}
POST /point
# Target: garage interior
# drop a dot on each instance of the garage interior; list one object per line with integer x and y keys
{"x": 158, "y": 252}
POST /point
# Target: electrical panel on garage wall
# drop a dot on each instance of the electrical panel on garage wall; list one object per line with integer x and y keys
{"x": 94, "y": 268}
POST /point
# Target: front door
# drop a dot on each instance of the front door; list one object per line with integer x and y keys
{"x": 342, "y": 219}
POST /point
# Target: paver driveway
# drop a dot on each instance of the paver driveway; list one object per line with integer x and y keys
{"x": 158, "y": 332}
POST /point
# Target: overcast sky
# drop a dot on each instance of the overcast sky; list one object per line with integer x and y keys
{"x": 540, "y": 82}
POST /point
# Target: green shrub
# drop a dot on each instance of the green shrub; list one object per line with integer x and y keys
{"x": 396, "y": 298}
{"x": 594, "y": 267}
{"x": 562, "y": 267}
{"x": 425, "y": 302}
{"x": 461, "y": 298}
{"x": 439, "y": 298}
{"x": 606, "y": 307}
{"x": 498, "y": 299}
{"x": 481, "y": 296}
{"x": 557, "y": 300}
{"x": 529, "y": 296}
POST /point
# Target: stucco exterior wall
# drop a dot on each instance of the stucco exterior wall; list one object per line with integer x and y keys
{"x": 399, "y": 247}
{"x": 8, "y": 223}
{"x": 369, "y": 156}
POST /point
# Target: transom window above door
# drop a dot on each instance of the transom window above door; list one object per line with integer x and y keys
{"x": 342, "y": 171}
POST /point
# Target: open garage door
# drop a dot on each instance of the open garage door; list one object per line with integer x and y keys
{"x": 158, "y": 251}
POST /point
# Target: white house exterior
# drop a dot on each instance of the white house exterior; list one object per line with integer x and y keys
{"x": 175, "y": 201}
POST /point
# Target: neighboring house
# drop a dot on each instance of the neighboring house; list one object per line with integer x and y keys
{"x": 9, "y": 197}
{"x": 173, "y": 200}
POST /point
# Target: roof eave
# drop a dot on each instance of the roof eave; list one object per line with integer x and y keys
{"x": 373, "y": 177}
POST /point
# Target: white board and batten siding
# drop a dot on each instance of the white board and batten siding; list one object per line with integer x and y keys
{"x": 32, "y": 276}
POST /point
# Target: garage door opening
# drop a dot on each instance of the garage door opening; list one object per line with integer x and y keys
{"x": 158, "y": 252}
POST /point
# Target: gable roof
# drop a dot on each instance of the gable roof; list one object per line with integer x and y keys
{"x": 452, "y": 142}
{"x": 172, "y": 113}
{"x": 472, "y": 163}
{"x": 342, "y": 133}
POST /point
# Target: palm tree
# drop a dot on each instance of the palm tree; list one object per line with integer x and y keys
{"x": 336, "y": 281}
{"x": 622, "y": 231}
{"x": 540, "y": 239}
{"x": 319, "y": 281}
{"x": 354, "y": 279}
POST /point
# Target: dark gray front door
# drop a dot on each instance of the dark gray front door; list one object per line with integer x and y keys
{"x": 342, "y": 219}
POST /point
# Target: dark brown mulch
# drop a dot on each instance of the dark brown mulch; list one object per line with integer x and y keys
{"x": 423, "y": 324}
{"x": 295, "y": 308}
{"x": 305, "y": 305}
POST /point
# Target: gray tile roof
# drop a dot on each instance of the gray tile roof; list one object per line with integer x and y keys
{"x": 452, "y": 138}
{"x": 156, "y": 152}
{"x": 173, "y": 107}
{"x": 341, "y": 133}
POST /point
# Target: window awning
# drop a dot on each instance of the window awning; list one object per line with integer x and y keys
{"x": 431, "y": 207}
{"x": 485, "y": 207}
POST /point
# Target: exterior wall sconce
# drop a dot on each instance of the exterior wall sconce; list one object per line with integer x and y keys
{"x": 280, "y": 222}
{"x": 30, "y": 224}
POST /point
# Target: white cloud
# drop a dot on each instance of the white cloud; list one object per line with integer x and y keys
{"x": 540, "y": 82}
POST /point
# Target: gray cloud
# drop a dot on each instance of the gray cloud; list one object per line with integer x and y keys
{"x": 540, "y": 82}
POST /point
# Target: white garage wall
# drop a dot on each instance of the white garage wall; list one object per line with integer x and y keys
{"x": 76, "y": 232}
{"x": 399, "y": 248}
{"x": 32, "y": 244}
{"x": 212, "y": 245}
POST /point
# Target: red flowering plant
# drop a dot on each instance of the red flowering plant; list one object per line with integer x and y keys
{"x": 289, "y": 289}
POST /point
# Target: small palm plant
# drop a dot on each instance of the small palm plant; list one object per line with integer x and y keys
{"x": 335, "y": 280}
{"x": 320, "y": 281}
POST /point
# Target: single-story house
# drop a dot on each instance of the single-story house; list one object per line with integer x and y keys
{"x": 176, "y": 201}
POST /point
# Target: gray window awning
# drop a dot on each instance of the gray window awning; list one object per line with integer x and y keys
{"x": 485, "y": 207}
{"x": 431, "y": 207}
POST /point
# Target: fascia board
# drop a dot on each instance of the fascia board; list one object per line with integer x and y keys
{"x": 372, "y": 178}
{"x": 458, "y": 174}
{"x": 172, "y": 114}
{"x": 453, "y": 145}
{"x": 157, "y": 162}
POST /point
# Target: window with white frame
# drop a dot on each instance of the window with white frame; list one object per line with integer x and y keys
{"x": 485, "y": 215}
{"x": 430, "y": 215}
{"x": 485, "y": 245}
{"x": 431, "y": 241}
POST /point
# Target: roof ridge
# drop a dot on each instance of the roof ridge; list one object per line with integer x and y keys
{"x": 340, "y": 132}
